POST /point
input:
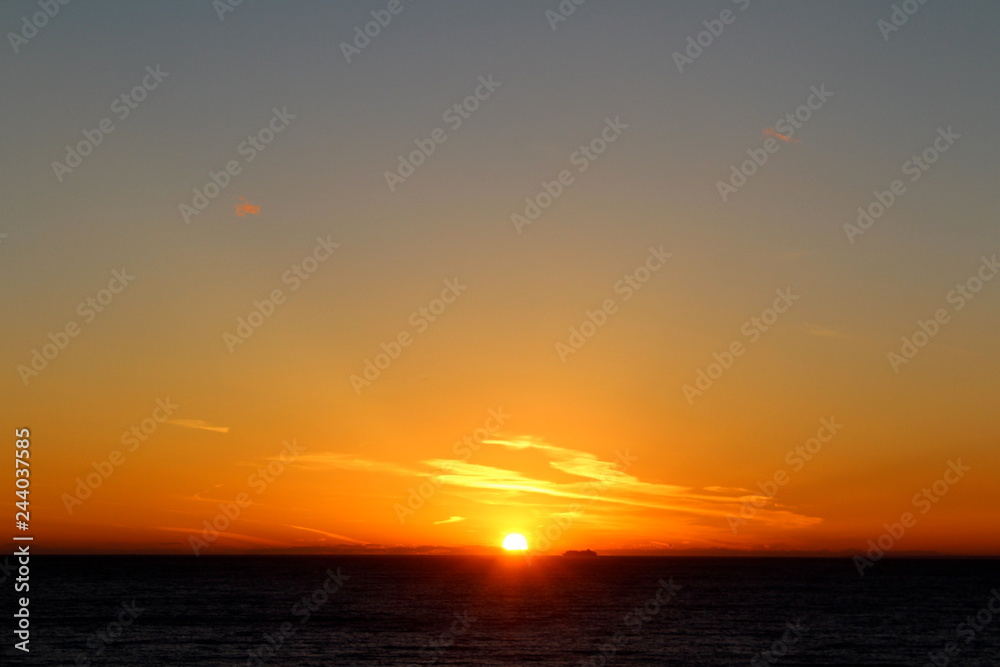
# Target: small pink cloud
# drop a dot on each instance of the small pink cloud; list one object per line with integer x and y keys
{"x": 246, "y": 207}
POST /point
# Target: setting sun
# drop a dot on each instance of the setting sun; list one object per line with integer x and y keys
{"x": 515, "y": 542}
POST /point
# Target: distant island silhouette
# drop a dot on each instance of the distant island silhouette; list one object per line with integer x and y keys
{"x": 586, "y": 552}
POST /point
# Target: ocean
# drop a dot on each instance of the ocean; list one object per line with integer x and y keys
{"x": 506, "y": 610}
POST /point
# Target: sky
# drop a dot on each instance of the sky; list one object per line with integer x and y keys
{"x": 643, "y": 277}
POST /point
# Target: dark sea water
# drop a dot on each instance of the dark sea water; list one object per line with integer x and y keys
{"x": 471, "y": 610}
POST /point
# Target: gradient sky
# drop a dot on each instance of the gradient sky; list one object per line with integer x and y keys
{"x": 494, "y": 349}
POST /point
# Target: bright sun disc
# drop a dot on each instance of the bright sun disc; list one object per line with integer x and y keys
{"x": 515, "y": 542}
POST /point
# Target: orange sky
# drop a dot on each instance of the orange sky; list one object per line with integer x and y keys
{"x": 603, "y": 302}
{"x": 425, "y": 484}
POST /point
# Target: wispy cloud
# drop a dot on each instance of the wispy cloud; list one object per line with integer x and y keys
{"x": 335, "y": 536}
{"x": 319, "y": 461}
{"x": 771, "y": 132}
{"x": 237, "y": 537}
{"x": 451, "y": 519}
{"x": 198, "y": 424}
{"x": 607, "y": 487}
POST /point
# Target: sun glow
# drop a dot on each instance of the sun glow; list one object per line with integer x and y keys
{"x": 515, "y": 542}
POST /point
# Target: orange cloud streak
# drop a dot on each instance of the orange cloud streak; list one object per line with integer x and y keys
{"x": 771, "y": 132}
